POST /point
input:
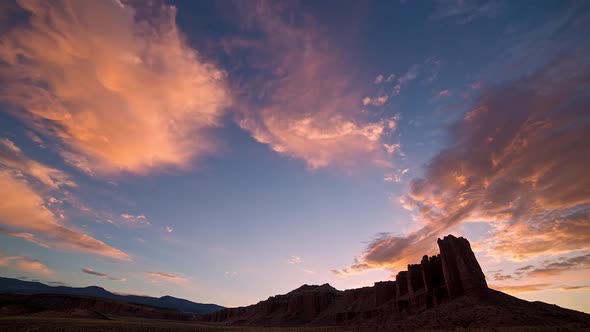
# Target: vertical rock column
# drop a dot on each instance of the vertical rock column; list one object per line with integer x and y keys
{"x": 462, "y": 272}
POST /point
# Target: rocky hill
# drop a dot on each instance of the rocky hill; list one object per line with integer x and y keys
{"x": 448, "y": 290}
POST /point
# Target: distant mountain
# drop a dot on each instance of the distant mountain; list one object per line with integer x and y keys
{"x": 16, "y": 286}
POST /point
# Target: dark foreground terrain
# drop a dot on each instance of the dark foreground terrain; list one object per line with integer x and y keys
{"x": 445, "y": 292}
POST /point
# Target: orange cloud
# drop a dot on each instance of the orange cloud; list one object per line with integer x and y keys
{"x": 26, "y": 264}
{"x": 127, "y": 96}
{"x": 521, "y": 166}
{"x": 22, "y": 208}
{"x": 303, "y": 101}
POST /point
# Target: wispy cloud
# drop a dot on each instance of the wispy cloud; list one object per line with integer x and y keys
{"x": 409, "y": 76}
{"x": 465, "y": 11}
{"x": 295, "y": 260}
{"x": 304, "y": 100}
{"x": 25, "y": 264}
{"x": 139, "y": 219}
{"x": 102, "y": 275}
{"x": 130, "y": 96}
{"x": 517, "y": 165}
{"x": 528, "y": 288}
{"x": 165, "y": 276}
{"x": 24, "y": 211}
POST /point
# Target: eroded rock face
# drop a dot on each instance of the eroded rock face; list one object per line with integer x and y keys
{"x": 462, "y": 272}
{"x": 435, "y": 280}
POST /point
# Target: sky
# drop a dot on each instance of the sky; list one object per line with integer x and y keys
{"x": 227, "y": 151}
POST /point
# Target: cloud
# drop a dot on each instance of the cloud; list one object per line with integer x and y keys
{"x": 25, "y": 264}
{"x": 23, "y": 209}
{"x": 465, "y": 11}
{"x": 520, "y": 165}
{"x": 409, "y": 76}
{"x": 516, "y": 289}
{"x": 390, "y": 78}
{"x": 300, "y": 96}
{"x": 13, "y": 158}
{"x": 559, "y": 266}
{"x": 444, "y": 93}
{"x": 139, "y": 219}
{"x": 295, "y": 260}
{"x": 378, "y": 79}
{"x": 102, "y": 275}
{"x": 129, "y": 96}
{"x": 170, "y": 277}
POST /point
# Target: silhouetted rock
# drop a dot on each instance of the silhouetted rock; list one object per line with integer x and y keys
{"x": 451, "y": 284}
{"x": 462, "y": 272}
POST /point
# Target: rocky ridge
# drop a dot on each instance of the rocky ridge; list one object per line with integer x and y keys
{"x": 442, "y": 291}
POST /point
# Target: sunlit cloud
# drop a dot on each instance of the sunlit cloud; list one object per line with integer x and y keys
{"x": 303, "y": 99}
{"x": 519, "y": 166}
{"x": 25, "y": 188}
{"x": 13, "y": 158}
{"x": 102, "y": 275}
{"x": 169, "y": 277}
{"x": 128, "y": 96}
{"x": 25, "y": 264}
{"x": 529, "y": 288}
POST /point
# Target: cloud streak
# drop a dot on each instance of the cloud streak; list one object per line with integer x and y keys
{"x": 102, "y": 275}
{"x": 129, "y": 96}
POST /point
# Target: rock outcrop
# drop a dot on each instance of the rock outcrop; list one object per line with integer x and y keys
{"x": 435, "y": 280}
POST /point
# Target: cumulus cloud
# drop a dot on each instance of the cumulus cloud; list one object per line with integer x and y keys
{"x": 301, "y": 97}
{"x": 25, "y": 264}
{"x": 519, "y": 163}
{"x": 127, "y": 96}
{"x": 102, "y": 275}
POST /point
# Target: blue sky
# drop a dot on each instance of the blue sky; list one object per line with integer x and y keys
{"x": 228, "y": 151}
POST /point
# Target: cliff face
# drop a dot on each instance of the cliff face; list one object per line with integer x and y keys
{"x": 430, "y": 283}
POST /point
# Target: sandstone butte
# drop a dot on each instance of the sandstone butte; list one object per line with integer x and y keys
{"x": 448, "y": 290}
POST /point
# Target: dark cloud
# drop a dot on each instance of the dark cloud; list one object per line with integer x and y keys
{"x": 519, "y": 160}
{"x": 561, "y": 265}
{"x": 102, "y": 275}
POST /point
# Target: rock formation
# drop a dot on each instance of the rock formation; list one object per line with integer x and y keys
{"x": 430, "y": 283}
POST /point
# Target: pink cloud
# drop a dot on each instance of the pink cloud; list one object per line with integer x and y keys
{"x": 306, "y": 98}
{"x": 25, "y": 264}
{"x": 128, "y": 96}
